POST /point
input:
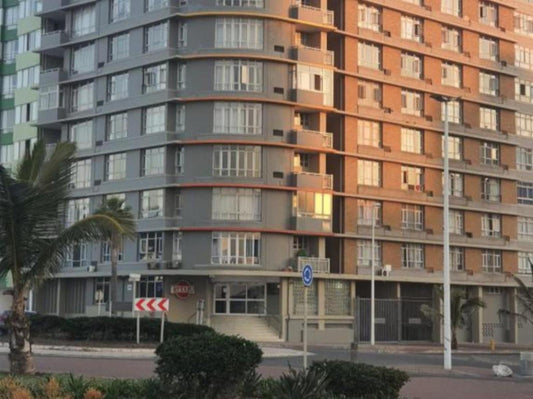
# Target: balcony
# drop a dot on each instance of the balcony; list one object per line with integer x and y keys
{"x": 312, "y": 55}
{"x": 312, "y": 14}
{"x": 51, "y": 42}
{"x": 319, "y": 265}
{"x": 315, "y": 98}
{"x": 310, "y": 222}
{"x": 312, "y": 138}
{"x": 317, "y": 181}
{"x": 52, "y": 76}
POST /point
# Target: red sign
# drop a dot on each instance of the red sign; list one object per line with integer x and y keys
{"x": 182, "y": 289}
{"x": 150, "y": 304}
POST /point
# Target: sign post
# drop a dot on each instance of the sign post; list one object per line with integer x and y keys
{"x": 134, "y": 278}
{"x": 307, "y": 279}
{"x": 151, "y": 305}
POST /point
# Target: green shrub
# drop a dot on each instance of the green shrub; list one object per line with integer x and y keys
{"x": 304, "y": 384}
{"x": 107, "y": 328}
{"x": 356, "y": 380}
{"x": 206, "y": 365}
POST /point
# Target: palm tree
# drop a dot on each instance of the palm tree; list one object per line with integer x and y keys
{"x": 116, "y": 208}
{"x": 33, "y": 239}
{"x": 524, "y": 296}
{"x": 461, "y": 307}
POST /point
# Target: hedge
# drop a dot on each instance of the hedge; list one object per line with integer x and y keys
{"x": 107, "y": 328}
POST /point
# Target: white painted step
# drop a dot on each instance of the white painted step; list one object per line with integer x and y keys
{"x": 253, "y": 328}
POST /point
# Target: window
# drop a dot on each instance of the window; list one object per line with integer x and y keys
{"x": 490, "y": 153}
{"x": 81, "y": 174}
{"x": 488, "y": 13}
{"x": 412, "y": 102}
{"x": 237, "y": 118}
{"x": 50, "y": 97}
{"x": 9, "y": 84}
{"x": 82, "y": 96}
{"x": 177, "y": 239}
{"x": 29, "y": 41}
{"x": 241, "y": 3}
{"x": 9, "y": 51}
{"x": 182, "y": 34}
{"x": 236, "y": 204}
{"x": 82, "y": 134}
{"x": 451, "y": 39}
{"x": 364, "y": 253}
{"x": 454, "y": 111}
{"x": 525, "y": 193}
{"x": 117, "y": 88}
{"x": 456, "y": 184}
{"x": 238, "y": 75}
{"x": 11, "y": 17}
{"x": 524, "y": 262}
{"x": 523, "y": 57}
{"x": 178, "y": 204}
{"x": 7, "y": 120}
{"x": 235, "y": 248}
{"x": 181, "y": 81}
{"x": 318, "y": 80}
{"x": 77, "y": 210}
{"x": 152, "y": 204}
{"x": 119, "y": 46}
{"x": 117, "y": 126}
{"x": 369, "y": 55}
{"x": 155, "y": 119}
{"x": 77, "y": 256}
{"x": 452, "y": 7}
{"x": 524, "y": 158}
{"x": 28, "y": 8}
{"x": 25, "y": 113}
{"x": 488, "y": 83}
{"x": 150, "y": 287}
{"x": 411, "y": 65}
{"x": 451, "y": 75}
{"x": 310, "y": 204}
{"x": 368, "y": 173}
{"x": 115, "y": 166}
{"x": 457, "y": 259}
{"x": 456, "y": 223}
{"x": 524, "y": 124}
{"x": 413, "y": 256}
{"x": 152, "y": 5}
{"x": 412, "y": 178}
{"x": 83, "y": 20}
{"x": 455, "y": 147}
{"x": 156, "y": 37}
{"x": 369, "y": 94}
{"x": 106, "y": 252}
{"x": 412, "y": 217}
{"x": 523, "y": 24}
{"x": 101, "y": 284}
{"x": 120, "y": 9}
{"x": 488, "y": 118}
{"x": 411, "y": 140}
{"x": 180, "y": 160}
{"x": 180, "y": 118}
{"x": 525, "y": 228}
{"x": 239, "y": 33}
{"x": 368, "y": 133}
{"x": 491, "y": 260}
{"x": 488, "y": 48}
{"x": 523, "y": 90}
{"x": 490, "y": 189}
{"x": 155, "y": 78}
{"x": 153, "y": 161}
{"x": 411, "y": 28}
{"x": 491, "y": 225}
{"x": 237, "y": 160}
{"x": 150, "y": 246}
{"x": 368, "y": 210}
{"x": 27, "y": 77}
{"x": 369, "y": 17}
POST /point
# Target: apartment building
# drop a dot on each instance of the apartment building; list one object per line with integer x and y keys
{"x": 252, "y": 137}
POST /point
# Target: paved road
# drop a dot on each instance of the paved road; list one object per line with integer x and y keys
{"x": 472, "y": 377}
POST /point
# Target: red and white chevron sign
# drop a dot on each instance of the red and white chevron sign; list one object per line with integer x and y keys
{"x": 150, "y": 304}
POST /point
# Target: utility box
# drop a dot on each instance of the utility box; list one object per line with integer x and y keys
{"x": 526, "y": 363}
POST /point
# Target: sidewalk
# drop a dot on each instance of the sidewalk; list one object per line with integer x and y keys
{"x": 430, "y": 348}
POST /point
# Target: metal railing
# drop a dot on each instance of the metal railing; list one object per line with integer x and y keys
{"x": 326, "y": 137}
{"x": 327, "y": 54}
{"x": 327, "y": 15}
{"x": 327, "y": 180}
{"x": 319, "y": 265}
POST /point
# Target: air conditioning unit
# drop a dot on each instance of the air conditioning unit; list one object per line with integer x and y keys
{"x": 91, "y": 269}
{"x": 385, "y": 270}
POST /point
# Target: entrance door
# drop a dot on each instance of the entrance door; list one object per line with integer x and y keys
{"x": 240, "y": 298}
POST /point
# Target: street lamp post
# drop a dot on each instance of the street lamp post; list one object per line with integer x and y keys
{"x": 373, "y": 278}
{"x": 446, "y": 221}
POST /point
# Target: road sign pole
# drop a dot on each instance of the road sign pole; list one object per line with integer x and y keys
{"x": 305, "y": 327}
{"x": 162, "y": 327}
{"x": 138, "y": 328}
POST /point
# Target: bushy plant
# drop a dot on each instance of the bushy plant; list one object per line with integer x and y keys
{"x": 304, "y": 384}
{"x": 205, "y": 366}
{"x": 357, "y": 381}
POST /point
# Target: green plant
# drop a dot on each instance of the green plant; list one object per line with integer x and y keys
{"x": 75, "y": 386}
{"x": 461, "y": 307}
{"x": 206, "y": 365}
{"x": 524, "y": 296}
{"x": 350, "y": 380}
{"x": 304, "y": 384}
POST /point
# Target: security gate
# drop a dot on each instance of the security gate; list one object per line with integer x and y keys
{"x": 395, "y": 320}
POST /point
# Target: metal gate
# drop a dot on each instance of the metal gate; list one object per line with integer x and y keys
{"x": 395, "y": 320}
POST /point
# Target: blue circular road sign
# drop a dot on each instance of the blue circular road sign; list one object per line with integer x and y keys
{"x": 307, "y": 275}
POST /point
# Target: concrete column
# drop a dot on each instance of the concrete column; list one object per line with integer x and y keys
{"x": 284, "y": 306}
{"x": 477, "y": 317}
{"x": 513, "y": 321}
{"x": 58, "y": 297}
{"x": 321, "y": 292}
{"x": 321, "y": 247}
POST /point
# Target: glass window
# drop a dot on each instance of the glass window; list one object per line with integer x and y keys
{"x": 155, "y": 119}
{"x": 488, "y": 13}
{"x": 115, "y": 166}
{"x": 153, "y": 161}
{"x": 523, "y": 90}
{"x": 9, "y": 84}
{"x": 453, "y": 7}
{"x": 369, "y": 17}
{"x": 455, "y": 147}
{"x": 150, "y": 287}
{"x": 488, "y": 83}
{"x": 369, "y": 55}
{"x": 490, "y": 153}
{"x": 236, "y": 204}
{"x": 368, "y": 173}
{"x": 82, "y": 134}
{"x": 81, "y": 174}
{"x": 488, "y": 118}
{"x": 119, "y": 46}
{"x": 150, "y": 246}
{"x": 451, "y": 39}
{"x": 364, "y": 253}
{"x": 523, "y": 57}
{"x": 454, "y": 111}
{"x": 77, "y": 256}
{"x": 117, "y": 88}
{"x": 457, "y": 259}
{"x": 369, "y": 94}
{"x": 411, "y": 65}
{"x": 491, "y": 225}
{"x": 456, "y": 223}
{"x": 155, "y": 78}
{"x": 368, "y": 210}
{"x": 412, "y": 178}
{"x": 413, "y": 256}
{"x": 411, "y": 140}
{"x": 152, "y": 5}
{"x": 156, "y": 37}
{"x": 412, "y": 102}
{"x": 488, "y": 48}
{"x": 412, "y": 217}
{"x": 120, "y": 9}
{"x": 82, "y": 96}
{"x": 237, "y": 160}
{"x": 237, "y": 118}
{"x": 77, "y": 210}
{"x": 524, "y": 193}
{"x": 368, "y": 133}
{"x": 11, "y": 15}
{"x": 152, "y": 204}
{"x": 177, "y": 239}
{"x": 117, "y": 126}
{"x": 523, "y": 24}
{"x": 490, "y": 189}
{"x": 456, "y": 184}
{"x": 524, "y": 124}
{"x": 83, "y": 20}
{"x": 525, "y": 228}
{"x": 180, "y": 160}
{"x": 491, "y": 260}
{"x": 524, "y": 262}
{"x": 27, "y": 77}
{"x": 524, "y": 158}
{"x": 101, "y": 284}
{"x": 411, "y": 28}
{"x": 451, "y": 74}
{"x": 239, "y": 33}
{"x": 230, "y": 248}
{"x": 238, "y": 75}
{"x": 9, "y": 51}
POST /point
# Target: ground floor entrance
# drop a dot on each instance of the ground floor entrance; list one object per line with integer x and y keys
{"x": 240, "y": 299}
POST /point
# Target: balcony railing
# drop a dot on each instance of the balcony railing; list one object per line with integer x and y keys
{"x": 319, "y": 265}
{"x": 309, "y": 138}
{"x": 327, "y": 15}
{"x": 326, "y": 180}
{"x": 314, "y": 54}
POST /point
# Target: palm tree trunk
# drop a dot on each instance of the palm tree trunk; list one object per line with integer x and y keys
{"x": 454, "y": 340}
{"x": 20, "y": 357}
{"x": 114, "y": 279}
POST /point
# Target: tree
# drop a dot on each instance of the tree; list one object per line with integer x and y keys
{"x": 116, "y": 208}
{"x": 33, "y": 239}
{"x": 524, "y": 296}
{"x": 461, "y": 307}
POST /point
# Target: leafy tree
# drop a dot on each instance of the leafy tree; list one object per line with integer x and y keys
{"x": 461, "y": 307}
{"x": 116, "y": 208}
{"x": 524, "y": 296}
{"x": 33, "y": 238}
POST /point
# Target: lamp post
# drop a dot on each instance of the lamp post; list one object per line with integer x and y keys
{"x": 446, "y": 221}
{"x": 375, "y": 207}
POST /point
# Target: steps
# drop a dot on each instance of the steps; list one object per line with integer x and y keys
{"x": 253, "y": 328}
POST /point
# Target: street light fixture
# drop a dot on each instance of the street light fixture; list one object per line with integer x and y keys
{"x": 446, "y": 256}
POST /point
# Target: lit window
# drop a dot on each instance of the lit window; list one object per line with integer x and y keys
{"x": 451, "y": 39}
{"x": 411, "y": 140}
{"x": 411, "y": 28}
